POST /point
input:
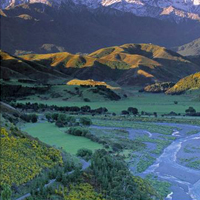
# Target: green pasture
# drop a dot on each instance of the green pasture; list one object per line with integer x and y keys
{"x": 52, "y": 135}
{"x": 147, "y": 102}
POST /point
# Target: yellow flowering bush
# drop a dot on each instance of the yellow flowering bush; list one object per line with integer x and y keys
{"x": 22, "y": 158}
{"x": 79, "y": 192}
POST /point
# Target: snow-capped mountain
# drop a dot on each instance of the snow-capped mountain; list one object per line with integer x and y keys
{"x": 164, "y": 9}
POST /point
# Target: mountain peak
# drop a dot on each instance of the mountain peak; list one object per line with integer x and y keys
{"x": 178, "y": 9}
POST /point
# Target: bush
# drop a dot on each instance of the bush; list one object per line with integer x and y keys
{"x": 34, "y": 118}
{"x": 84, "y": 153}
{"x": 86, "y": 100}
{"x": 62, "y": 118}
{"x": 48, "y": 116}
{"x": 6, "y": 193}
{"x": 124, "y": 112}
{"x": 85, "y": 121}
{"x": 78, "y": 131}
{"x": 190, "y": 110}
{"x": 26, "y": 117}
{"x": 117, "y": 147}
{"x": 55, "y": 116}
{"x": 59, "y": 124}
{"x": 85, "y": 109}
{"x": 133, "y": 111}
{"x": 71, "y": 120}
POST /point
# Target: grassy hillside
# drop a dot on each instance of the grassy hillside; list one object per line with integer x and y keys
{"x": 158, "y": 87}
{"x": 129, "y": 64}
{"x": 190, "y": 49}
{"x": 91, "y": 82}
{"x": 191, "y": 82}
{"x": 15, "y": 67}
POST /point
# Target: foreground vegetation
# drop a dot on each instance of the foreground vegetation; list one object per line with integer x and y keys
{"x": 20, "y": 153}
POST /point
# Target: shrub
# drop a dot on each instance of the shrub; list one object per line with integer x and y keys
{"x": 55, "y": 116}
{"x": 85, "y": 121}
{"x": 71, "y": 119}
{"x": 190, "y": 110}
{"x": 77, "y": 131}
{"x": 62, "y": 118}
{"x": 34, "y": 118}
{"x": 6, "y": 193}
{"x": 132, "y": 110}
{"x": 48, "y": 116}
{"x": 59, "y": 124}
{"x": 116, "y": 147}
{"x": 125, "y": 112}
{"x": 86, "y": 100}
{"x": 84, "y": 153}
{"x": 85, "y": 109}
{"x": 25, "y": 117}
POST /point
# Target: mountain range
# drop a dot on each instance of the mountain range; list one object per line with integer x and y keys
{"x": 176, "y": 10}
{"x": 74, "y": 27}
{"x": 129, "y": 64}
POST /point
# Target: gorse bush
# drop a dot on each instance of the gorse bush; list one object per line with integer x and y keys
{"x": 23, "y": 158}
{"x": 82, "y": 191}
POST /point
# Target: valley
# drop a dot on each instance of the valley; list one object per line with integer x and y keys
{"x": 119, "y": 123}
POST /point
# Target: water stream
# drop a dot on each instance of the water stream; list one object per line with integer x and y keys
{"x": 185, "y": 181}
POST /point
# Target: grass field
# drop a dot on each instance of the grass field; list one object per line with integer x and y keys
{"x": 52, "y": 135}
{"x": 147, "y": 102}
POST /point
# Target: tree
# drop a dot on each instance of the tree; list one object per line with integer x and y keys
{"x": 78, "y": 131}
{"x": 55, "y": 116}
{"x": 6, "y": 193}
{"x": 133, "y": 111}
{"x": 71, "y": 120}
{"x": 62, "y": 118}
{"x": 190, "y": 110}
{"x": 85, "y": 121}
{"x": 34, "y": 118}
{"x": 124, "y": 112}
{"x": 85, "y": 108}
{"x": 48, "y": 116}
{"x": 84, "y": 153}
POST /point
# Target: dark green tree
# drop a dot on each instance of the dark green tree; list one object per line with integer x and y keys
{"x": 6, "y": 192}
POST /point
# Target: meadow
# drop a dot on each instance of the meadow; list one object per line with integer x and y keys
{"x": 52, "y": 135}
{"x": 148, "y": 102}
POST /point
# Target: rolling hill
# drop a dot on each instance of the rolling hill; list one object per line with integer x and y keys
{"x": 91, "y": 83}
{"x": 15, "y": 67}
{"x": 191, "y": 82}
{"x": 129, "y": 64}
{"x": 190, "y": 49}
